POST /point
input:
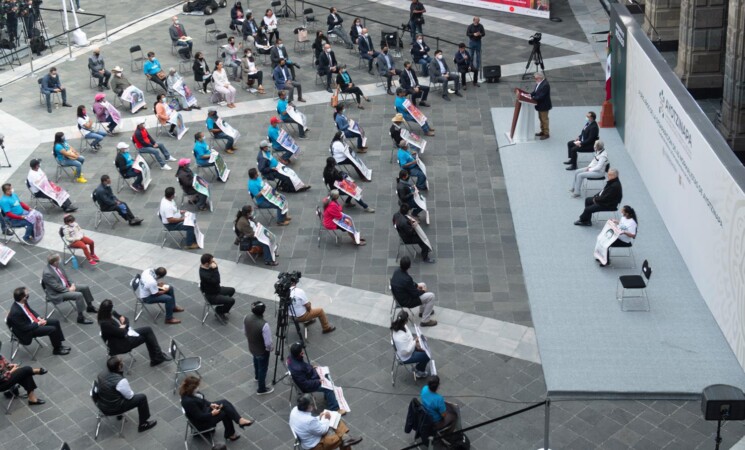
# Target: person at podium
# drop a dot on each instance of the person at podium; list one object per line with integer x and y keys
{"x": 542, "y": 94}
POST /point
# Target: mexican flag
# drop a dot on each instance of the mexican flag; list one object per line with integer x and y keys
{"x": 607, "y": 71}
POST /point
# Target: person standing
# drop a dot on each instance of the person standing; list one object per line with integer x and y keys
{"x": 209, "y": 283}
{"x": 542, "y": 94}
{"x": 475, "y": 33}
{"x": 115, "y": 395}
{"x": 259, "y": 337}
{"x": 416, "y": 18}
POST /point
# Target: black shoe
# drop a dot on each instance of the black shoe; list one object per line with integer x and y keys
{"x": 84, "y": 320}
{"x": 425, "y": 104}
{"x": 349, "y": 441}
{"x": 61, "y": 350}
{"x": 163, "y": 358}
{"x": 458, "y": 94}
{"x": 568, "y": 163}
{"x": 67, "y": 105}
{"x": 91, "y": 309}
{"x": 9, "y": 232}
{"x": 135, "y": 221}
{"x": 571, "y": 168}
{"x": 329, "y": 91}
{"x": 583, "y": 224}
{"x": 428, "y": 260}
{"x": 71, "y": 209}
{"x": 147, "y": 425}
{"x": 37, "y": 402}
{"x": 389, "y": 92}
{"x": 446, "y": 98}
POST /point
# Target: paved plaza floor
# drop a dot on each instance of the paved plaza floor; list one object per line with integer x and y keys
{"x": 478, "y": 273}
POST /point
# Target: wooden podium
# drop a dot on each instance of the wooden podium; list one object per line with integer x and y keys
{"x": 523, "y": 119}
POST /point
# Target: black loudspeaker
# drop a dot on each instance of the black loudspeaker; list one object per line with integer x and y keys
{"x": 720, "y": 401}
{"x": 492, "y": 73}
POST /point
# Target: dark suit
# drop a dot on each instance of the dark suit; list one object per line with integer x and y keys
{"x": 409, "y": 81}
{"x": 605, "y": 200}
{"x": 464, "y": 61}
{"x": 119, "y": 342}
{"x": 438, "y": 75}
{"x": 365, "y": 45}
{"x": 542, "y": 94}
{"x": 274, "y": 56}
{"x": 307, "y": 380}
{"x": 325, "y": 63}
{"x": 420, "y": 55}
{"x": 108, "y": 202}
{"x": 587, "y": 137}
{"x": 384, "y": 60}
{"x": 199, "y": 413}
{"x": 405, "y": 290}
{"x": 57, "y": 292}
{"x": 26, "y": 330}
{"x": 408, "y": 234}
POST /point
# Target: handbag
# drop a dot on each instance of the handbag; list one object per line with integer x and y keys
{"x": 335, "y": 98}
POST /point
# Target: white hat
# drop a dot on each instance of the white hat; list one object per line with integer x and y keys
{"x": 122, "y": 145}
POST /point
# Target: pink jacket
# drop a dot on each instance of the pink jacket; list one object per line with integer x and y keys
{"x": 332, "y": 211}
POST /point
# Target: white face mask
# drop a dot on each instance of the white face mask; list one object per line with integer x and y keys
{"x": 438, "y": 56}
{"x": 419, "y": 41}
{"x": 281, "y": 45}
{"x": 328, "y": 50}
{"x": 248, "y": 55}
{"x": 364, "y": 35}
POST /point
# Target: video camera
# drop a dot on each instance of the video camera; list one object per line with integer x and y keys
{"x": 535, "y": 39}
{"x": 284, "y": 284}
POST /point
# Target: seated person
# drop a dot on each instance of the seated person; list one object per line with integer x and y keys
{"x": 16, "y": 213}
{"x": 334, "y": 22}
{"x": 222, "y": 84}
{"x": 209, "y": 283}
{"x": 284, "y": 81}
{"x": 407, "y": 233}
{"x": 27, "y": 324}
{"x": 628, "y": 225}
{"x": 145, "y": 143}
{"x": 97, "y": 67}
{"x": 366, "y": 48}
{"x": 250, "y": 72}
{"x": 231, "y": 60}
{"x": 605, "y": 200}
{"x": 124, "y": 162}
{"x": 315, "y": 432}
{"x": 306, "y": 378}
{"x": 444, "y": 415}
{"x": 68, "y": 157}
{"x": 327, "y": 64}
{"x": 154, "y": 72}
{"x": 75, "y": 238}
{"x": 410, "y": 84}
{"x": 332, "y": 210}
{"x": 596, "y": 168}
{"x": 387, "y": 68}
{"x": 37, "y": 177}
{"x": 441, "y": 74}
{"x": 255, "y": 185}
{"x": 395, "y": 130}
{"x": 101, "y": 110}
{"x": 406, "y": 191}
{"x": 584, "y": 143}
{"x": 338, "y": 149}
{"x": 173, "y": 79}
{"x": 115, "y": 395}
{"x": 344, "y": 81}
{"x": 186, "y": 180}
{"x": 420, "y": 54}
{"x": 217, "y": 133}
{"x": 121, "y": 338}
{"x": 59, "y": 287}
{"x": 51, "y": 84}
{"x": 107, "y": 201}
{"x": 202, "y": 152}
{"x": 342, "y": 124}
{"x": 162, "y": 114}
{"x": 303, "y": 311}
{"x": 407, "y": 162}
{"x": 14, "y": 375}
{"x": 400, "y": 99}
{"x": 153, "y": 289}
{"x": 409, "y": 294}
{"x": 273, "y": 133}
{"x": 356, "y": 29}
{"x": 318, "y": 46}
{"x": 408, "y": 347}
{"x": 246, "y": 237}
{"x": 173, "y": 218}
{"x": 249, "y": 29}
{"x": 282, "y": 105}
{"x": 261, "y": 41}
{"x": 332, "y": 174}
{"x": 179, "y": 38}
{"x": 86, "y": 128}
{"x": 119, "y": 82}
{"x": 465, "y": 64}
{"x": 268, "y": 168}
{"x": 204, "y": 415}
{"x": 280, "y": 52}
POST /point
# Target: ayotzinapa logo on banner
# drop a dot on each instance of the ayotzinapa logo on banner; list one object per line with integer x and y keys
{"x": 668, "y": 112}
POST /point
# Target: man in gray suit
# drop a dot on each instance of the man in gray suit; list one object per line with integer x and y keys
{"x": 59, "y": 288}
{"x": 439, "y": 72}
{"x": 387, "y": 68}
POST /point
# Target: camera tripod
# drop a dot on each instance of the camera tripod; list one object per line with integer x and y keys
{"x": 283, "y": 322}
{"x": 285, "y": 10}
{"x": 535, "y": 58}
{"x": 2, "y": 146}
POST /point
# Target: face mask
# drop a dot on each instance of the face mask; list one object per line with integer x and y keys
{"x": 364, "y": 35}
{"x": 282, "y": 64}
{"x": 419, "y": 41}
{"x": 164, "y": 100}
{"x": 438, "y": 56}
{"x": 118, "y": 74}
{"x": 249, "y": 55}
{"x": 281, "y": 46}
{"x": 175, "y": 22}
{"x": 328, "y": 50}
{"x": 12, "y": 191}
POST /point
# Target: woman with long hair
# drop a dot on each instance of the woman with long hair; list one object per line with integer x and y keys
{"x": 270, "y": 21}
{"x": 243, "y": 225}
{"x": 628, "y": 225}
{"x": 318, "y": 44}
{"x": 222, "y": 84}
{"x": 342, "y": 124}
{"x": 202, "y": 72}
{"x": 204, "y": 415}
{"x": 85, "y": 125}
{"x": 332, "y": 210}
{"x": 160, "y": 108}
{"x": 332, "y": 174}
{"x": 408, "y": 347}
{"x": 68, "y": 156}
{"x": 250, "y": 72}
{"x": 344, "y": 81}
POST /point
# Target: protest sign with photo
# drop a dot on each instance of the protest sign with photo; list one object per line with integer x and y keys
{"x": 135, "y": 97}
{"x": 175, "y": 118}
{"x": 190, "y": 220}
{"x": 419, "y": 231}
{"x": 297, "y": 116}
{"x": 113, "y": 112}
{"x": 356, "y": 128}
{"x": 420, "y": 118}
{"x": 275, "y": 199}
{"x": 203, "y": 187}
{"x": 347, "y": 224}
{"x": 421, "y": 202}
{"x": 266, "y": 237}
{"x": 288, "y": 143}
{"x": 222, "y": 169}
{"x": 141, "y": 166}
{"x": 5, "y": 254}
{"x": 286, "y": 171}
{"x": 349, "y": 187}
{"x": 227, "y": 129}
{"x": 607, "y": 236}
{"x": 415, "y": 141}
{"x": 184, "y": 91}
{"x": 51, "y": 190}
{"x": 358, "y": 162}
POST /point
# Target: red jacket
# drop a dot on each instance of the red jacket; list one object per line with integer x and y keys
{"x": 332, "y": 211}
{"x": 142, "y": 139}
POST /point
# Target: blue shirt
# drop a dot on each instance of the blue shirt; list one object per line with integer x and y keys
{"x": 58, "y": 148}
{"x": 151, "y": 67}
{"x": 200, "y": 150}
{"x": 282, "y": 110}
{"x": 341, "y": 122}
{"x": 433, "y": 403}
{"x": 11, "y": 203}
{"x": 254, "y": 187}
{"x": 272, "y": 161}
{"x": 127, "y": 157}
{"x": 273, "y": 133}
{"x": 211, "y": 125}
{"x": 400, "y": 108}
{"x": 404, "y": 157}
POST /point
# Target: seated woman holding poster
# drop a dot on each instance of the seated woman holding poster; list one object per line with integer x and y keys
{"x": 342, "y": 123}
{"x": 332, "y": 174}
{"x": 179, "y": 89}
{"x": 408, "y": 347}
{"x": 162, "y": 113}
{"x": 332, "y": 211}
{"x": 270, "y": 170}
{"x": 339, "y": 152}
{"x": 255, "y": 188}
{"x": 628, "y": 226}
{"x": 186, "y": 181}
{"x": 106, "y": 112}
{"x": 85, "y": 125}
{"x": 75, "y": 238}
{"x": 244, "y": 225}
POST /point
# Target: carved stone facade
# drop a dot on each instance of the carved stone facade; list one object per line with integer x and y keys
{"x": 701, "y": 51}
{"x": 732, "y": 121}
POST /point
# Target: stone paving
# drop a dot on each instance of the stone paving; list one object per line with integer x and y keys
{"x": 478, "y": 269}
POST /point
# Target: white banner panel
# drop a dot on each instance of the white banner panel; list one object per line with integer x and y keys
{"x": 701, "y": 203}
